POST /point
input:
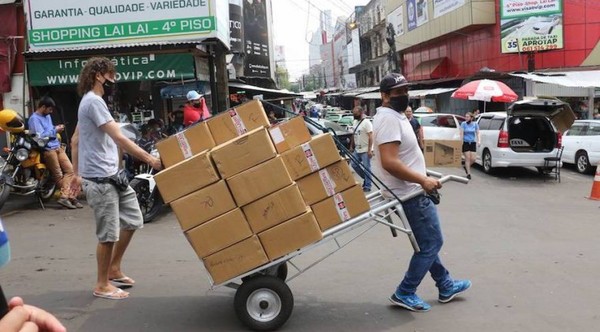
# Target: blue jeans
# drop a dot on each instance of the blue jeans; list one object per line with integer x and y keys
{"x": 366, "y": 162}
{"x": 423, "y": 219}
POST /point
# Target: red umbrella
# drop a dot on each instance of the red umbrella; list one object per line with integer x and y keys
{"x": 486, "y": 90}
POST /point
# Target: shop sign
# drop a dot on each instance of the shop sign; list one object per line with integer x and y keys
{"x": 129, "y": 68}
{"x": 443, "y": 7}
{"x": 531, "y": 25}
{"x": 78, "y": 23}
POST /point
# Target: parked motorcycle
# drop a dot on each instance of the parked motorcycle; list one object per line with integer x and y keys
{"x": 23, "y": 172}
{"x": 148, "y": 196}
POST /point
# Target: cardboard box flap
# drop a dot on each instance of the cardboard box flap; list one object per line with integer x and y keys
{"x": 290, "y": 235}
{"x": 235, "y": 260}
{"x": 311, "y": 156}
{"x": 274, "y": 208}
{"x": 340, "y": 207}
{"x": 186, "y": 177}
{"x": 237, "y": 121}
{"x": 259, "y": 181}
{"x": 185, "y": 144}
{"x": 326, "y": 182}
{"x": 289, "y": 134}
{"x": 243, "y": 152}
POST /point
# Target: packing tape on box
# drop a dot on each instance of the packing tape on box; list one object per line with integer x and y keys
{"x": 310, "y": 157}
{"x": 184, "y": 145}
{"x": 341, "y": 207}
{"x": 328, "y": 183}
{"x": 237, "y": 122}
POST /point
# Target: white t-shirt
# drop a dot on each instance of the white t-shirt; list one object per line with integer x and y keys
{"x": 98, "y": 153}
{"x": 391, "y": 126}
{"x": 361, "y": 135}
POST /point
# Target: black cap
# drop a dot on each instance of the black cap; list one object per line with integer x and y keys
{"x": 392, "y": 81}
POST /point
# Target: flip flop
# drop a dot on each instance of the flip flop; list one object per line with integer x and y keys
{"x": 117, "y": 294}
{"x": 123, "y": 281}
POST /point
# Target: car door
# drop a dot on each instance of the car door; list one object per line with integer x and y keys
{"x": 572, "y": 141}
{"x": 487, "y": 138}
{"x": 591, "y": 141}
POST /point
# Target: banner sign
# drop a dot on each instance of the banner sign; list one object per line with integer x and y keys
{"x": 77, "y": 23}
{"x": 129, "y": 68}
{"x": 396, "y": 19}
{"x": 411, "y": 14}
{"x": 236, "y": 25}
{"x": 531, "y": 25}
{"x": 443, "y": 7}
{"x": 256, "y": 39}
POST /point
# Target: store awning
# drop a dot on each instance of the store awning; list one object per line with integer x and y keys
{"x": 243, "y": 86}
{"x": 356, "y": 92}
{"x": 180, "y": 90}
{"x": 429, "y": 69}
{"x": 575, "y": 79}
{"x": 411, "y": 93}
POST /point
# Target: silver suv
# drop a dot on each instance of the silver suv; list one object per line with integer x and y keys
{"x": 528, "y": 132}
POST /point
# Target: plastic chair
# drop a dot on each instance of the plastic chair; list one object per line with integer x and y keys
{"x": 553, "y": 163}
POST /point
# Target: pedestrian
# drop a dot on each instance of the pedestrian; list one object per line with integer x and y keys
{"x": 475, "y": 112}
{"x": 55, "y": 157}
{"x": 195, "y": 110}
{"x": 362, "y": 146}
{"x": 417, "y": 128}
{"x": 95, "y": 151}
{"x": 469, "y": 135}
{"x": 401, "y": 167}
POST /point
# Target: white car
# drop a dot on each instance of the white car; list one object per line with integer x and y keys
{"x": 440, "y": 126}
{"x": 545, "y": 25}
{"x": 530, "y": 131}
{"x": 582, "y": 145}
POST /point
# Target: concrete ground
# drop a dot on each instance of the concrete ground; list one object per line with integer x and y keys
{"x": 530, "y": 247}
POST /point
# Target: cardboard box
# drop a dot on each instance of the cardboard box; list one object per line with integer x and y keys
{"x": 443, "y": 153}
{"x": 242, "y": 153}
{"x": 340, "y": 207}
{"x": 326, "y": 182}
{"x": 274, "y": 208}
{"x": 198, "y": 207}
{"x": 219, "y": 233}
{"x": 289, "y": 134}
{"x": 237, "y": 121}
{"x": 290, "y": 236}
{"x": 259, "y": 181}
{"x": 312, "y": 156}
{"x": 186, "y": 144}
{"x": 235, "y": 260}
{"x": 186, "y": 177}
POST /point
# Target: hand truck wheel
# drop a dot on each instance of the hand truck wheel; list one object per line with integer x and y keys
{"x": 263, "y": 303}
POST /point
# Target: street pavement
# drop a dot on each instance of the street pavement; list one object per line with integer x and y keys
{"x": 529, "y": 246}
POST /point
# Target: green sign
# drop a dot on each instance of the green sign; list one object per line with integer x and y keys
{"x": 129, "y": 68}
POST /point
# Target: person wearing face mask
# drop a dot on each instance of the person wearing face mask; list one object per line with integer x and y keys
{"x": 469, "y": 135}
{"x": 95, "y": 149}
{"x": 400, "y": 165}
{"x": 362, "y": 145}
{"x": 40, "y": 124}
{"x": 195, "y": 110}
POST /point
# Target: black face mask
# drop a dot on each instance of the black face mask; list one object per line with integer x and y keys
{"x": 399, "y": 103}
{"x": 468, "y": 121}
{"x": 357, "y": 117}
{"x": 109, "y": 87}
{"x": 196, "y": 105}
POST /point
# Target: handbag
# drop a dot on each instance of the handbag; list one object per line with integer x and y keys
{"x": 120, "y": 180}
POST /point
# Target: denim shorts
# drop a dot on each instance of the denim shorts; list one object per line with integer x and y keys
{"x": 113, "y": 209}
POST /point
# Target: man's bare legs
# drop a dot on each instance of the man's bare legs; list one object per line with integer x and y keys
{"x": 104, "y": 252}
{"x": 114, "y": 272}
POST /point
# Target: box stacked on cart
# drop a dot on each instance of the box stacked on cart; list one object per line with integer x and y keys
{"x": 239, "y": 203}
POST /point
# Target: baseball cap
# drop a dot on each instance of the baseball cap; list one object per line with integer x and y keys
{"x": 392, "y": 81}
{"x": 193, "y": 95}
{"x": 4, "y": 246}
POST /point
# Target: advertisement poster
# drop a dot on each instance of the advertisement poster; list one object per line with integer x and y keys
{"x": 396, "y": 19}
{"x": 443, "y": 7}
{"x": 531, "y": 25}
{"x": 236, "y": 26}
{"x": 256, "y": 39}
{"x": 78, "y": 23}
{"x": 411, "y": 14}
{"x": 422, "y": 12}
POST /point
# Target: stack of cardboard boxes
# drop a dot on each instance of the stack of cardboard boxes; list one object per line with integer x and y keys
{"x": 246, "y": 194}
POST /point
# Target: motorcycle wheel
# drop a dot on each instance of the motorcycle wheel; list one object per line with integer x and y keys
{"x": 150, "y": 202}
{"x": 5, "y": 189}
{"x": 46, "y": 188}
